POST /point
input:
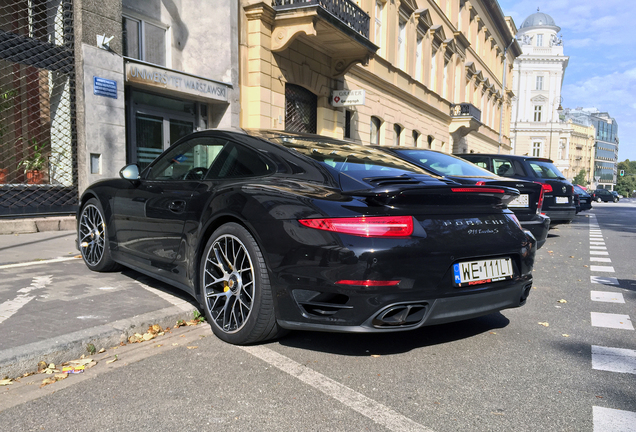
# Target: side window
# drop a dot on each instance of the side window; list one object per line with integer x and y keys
{"x": 503, "y": 167}
{"x": 238, "y": 161}
{"x": 481, "y": 162}
{"x": 189, "y": 160}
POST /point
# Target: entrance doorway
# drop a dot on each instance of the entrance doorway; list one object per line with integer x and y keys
{"x": 155, "y": 122}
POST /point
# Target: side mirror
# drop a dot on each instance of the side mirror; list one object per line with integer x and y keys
{"x": 130, "y": 172}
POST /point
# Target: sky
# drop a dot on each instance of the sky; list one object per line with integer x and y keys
{"x": 601, "y": 73}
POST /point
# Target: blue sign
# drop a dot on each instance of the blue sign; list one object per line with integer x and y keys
{"x": 104, "y": 87}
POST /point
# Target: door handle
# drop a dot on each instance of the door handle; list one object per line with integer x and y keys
{"x": 177, "y": 206}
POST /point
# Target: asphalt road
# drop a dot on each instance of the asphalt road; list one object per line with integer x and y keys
{"x": 566, "y": 361}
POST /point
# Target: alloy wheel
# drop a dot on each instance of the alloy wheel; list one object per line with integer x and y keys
{"x": 91, "y": 235}
{"x": 228, "y": 283}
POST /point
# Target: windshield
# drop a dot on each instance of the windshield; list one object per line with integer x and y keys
{"x": 545, "y": 170}
{"x": 356, "y": 160}
{"x": 444, "y": 164}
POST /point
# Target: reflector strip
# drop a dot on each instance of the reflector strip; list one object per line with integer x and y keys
{"x": 478, "y": 190}
{"x": 368, "y": 282}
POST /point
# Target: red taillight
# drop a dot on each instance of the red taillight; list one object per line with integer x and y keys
{"x": 540, "y": 203}
{"x": 368, "y": 283}
{"x": 478, "y": 190}
{"x": 480, "y": 183}
{"x": 375, "y": 226}
{"x": 546, "y": 187}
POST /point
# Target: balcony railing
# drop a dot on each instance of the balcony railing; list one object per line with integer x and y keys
{"x": 346, "y": 11}
{"x": 465, "y": 110}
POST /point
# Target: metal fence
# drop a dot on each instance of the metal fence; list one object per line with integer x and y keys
{"x": 38, "y": 160}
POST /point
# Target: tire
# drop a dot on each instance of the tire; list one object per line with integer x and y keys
{"x": 598, "y": 199}
{"x": 236, "y": 295}
{"x": 615, "y": 199}
{"x": 92, "y": 238}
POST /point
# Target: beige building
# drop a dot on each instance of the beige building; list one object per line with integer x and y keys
{"x": 579, "y": 139}
{"x": 392, "y": 72}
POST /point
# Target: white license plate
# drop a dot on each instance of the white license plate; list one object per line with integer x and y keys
{"x": 482, "y": 271}
{"x": 520, "y": 201}
{"x": 561, "y": 200}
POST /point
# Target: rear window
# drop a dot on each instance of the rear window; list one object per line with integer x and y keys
{"x": 445, "y": 164}
{"x": 355, "y": 160}
{"x": 545, "y": 170}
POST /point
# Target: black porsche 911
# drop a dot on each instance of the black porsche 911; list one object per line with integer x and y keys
{"x": 273, "y": 231}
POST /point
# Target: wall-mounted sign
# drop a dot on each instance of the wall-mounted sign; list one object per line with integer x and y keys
{"x": 104, "y": 87}
{"x": 340, "y": 98}
{"x": 171, "y": 80}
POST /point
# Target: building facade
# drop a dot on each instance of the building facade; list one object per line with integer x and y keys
{"x": 87, "y": 87}
{"x": 579, "y": 135}
{"x": 604, "y": 145}
{"x": 388, "y": 72}
{"x": 536, "y": 129}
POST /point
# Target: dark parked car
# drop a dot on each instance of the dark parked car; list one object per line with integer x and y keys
{"x": 527, "y": 206}
{"x": 585, "y": 199}
{"x": 604, "y": 195}
{"x": 558, "y": 201}
{"x": 273, "y": 231}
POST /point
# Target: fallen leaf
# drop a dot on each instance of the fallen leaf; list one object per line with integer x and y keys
{"x": 5, "y": 382}
{"x": 148, "y": 336}
{"x": 47, "y": 381}
{"x": 550, "y": 252}
{"x": 102, "y": 350}
{"x": 493, "y": 332}
{"x": 544, "y": 324}
{"x": 565, "y": 335}
{"x": 82, "y": 361}
{"x": 193, "y": 347}
{"x": 562, "y": 301}
{"x": 375, "y": 355}
{"x": 600, "y": 397}
{"x": 175, "y": 344}
{"x": 41, "y": 366}
{"x": 585, "y": 265}
{"x": 158, "y": 345}
{"x": 60, "y": 377}
{"x": 571, "y": 256}
{"x": 112, "y": 361}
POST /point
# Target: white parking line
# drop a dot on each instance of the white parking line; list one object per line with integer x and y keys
{"x": 608, "y": 269}
{"x": 377, "y": 412}
{"x": 601, "y": 259}
{"x": 608, "y": 419}
{"x": 607, "y": 320}
{"x": 595, "y": 252}
{"x": 598, "y": 247}
{"x": 597, "y": 243}
{"x": 614, "y": 360}
{"x": 605, "y": 280}
{"x": 606, "y": 296}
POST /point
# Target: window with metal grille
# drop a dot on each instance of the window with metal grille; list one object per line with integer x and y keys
{"x": 38, "y": 143}
{"x": 300, "y": 109}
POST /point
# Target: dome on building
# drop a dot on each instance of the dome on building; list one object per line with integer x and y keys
{"x": 539, "y": 20}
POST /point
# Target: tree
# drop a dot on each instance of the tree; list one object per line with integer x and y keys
{"x": 579, "y": 179}
{"x": 626, "y": 185}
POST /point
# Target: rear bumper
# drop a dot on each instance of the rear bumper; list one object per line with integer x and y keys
{"x": 438, "y": 311}
{"x": 539, "y": 226}
{"x": 561, "y": 216}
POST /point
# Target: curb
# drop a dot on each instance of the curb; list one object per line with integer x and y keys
{"x": 33, "y": 225}
{"x": 19, "y": 360}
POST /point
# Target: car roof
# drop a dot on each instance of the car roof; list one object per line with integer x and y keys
{"x": 509, "y": 156}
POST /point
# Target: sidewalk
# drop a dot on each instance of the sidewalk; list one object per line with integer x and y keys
{"x": 52, "y": 307}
